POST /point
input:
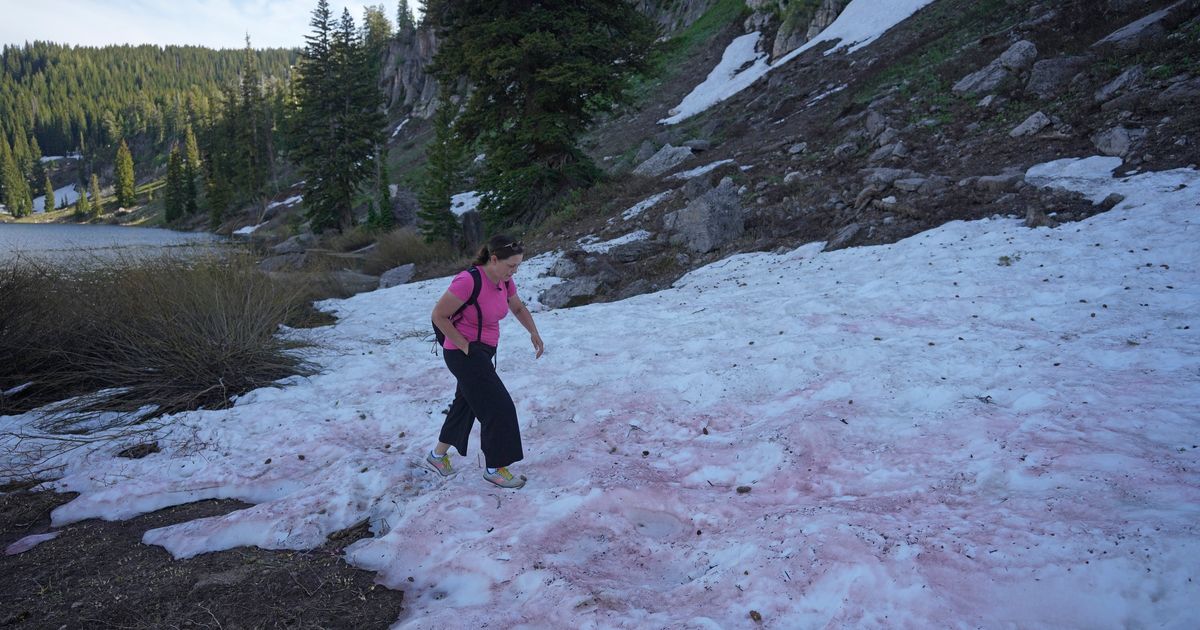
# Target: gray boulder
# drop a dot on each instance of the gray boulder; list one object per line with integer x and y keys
{"x": 666, "y": 159}
{"x": 1132, "y": 77}
{"x": 843, "y": 237}
{"x": 1035, "y": 123}
{"x": 284, "y": 262}
{"x": 644, "y": 152}
{"x": 295, "y": 245}
{"x": 397, "y": 276}
{"x": 1180, "y": 93}
{"x": 1015, "y": 60}
{"x": 886, "y": 176}
{"x": 1140, "y": 32}
{"x": 574, "y": 291}
{"x": 1117, "y": 141}
{"x": 1019, "y": 56}
{"x": 1051, "y": 77}
{"x": 565, "y": 267}
{"x": 352, "y": 282}
{"x": 405, "y": 207}
{"x": 708, "y": 222}
{"x": 984, "y": 80}
{"x": 635, "y": 251}
{"x": 910, "y": 184}
{"x": 1004, "y": 182}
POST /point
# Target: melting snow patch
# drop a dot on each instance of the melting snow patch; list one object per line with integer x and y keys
{"x": 286, "y": 202}
{"x": 732, "y": 75}
{"x": 642, "y": 206}
{"x": 598, "y": 248}
{"x": 396, "y": 131}
{"x": 700, "y": 170}
{"x": 859, "y": 24}
{"x": 463, "y": 203}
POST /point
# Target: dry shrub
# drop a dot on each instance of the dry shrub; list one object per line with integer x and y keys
{"x": 353, "y": 239}
{"x": 404, "y": 246}
{"x": 164, "y": 333}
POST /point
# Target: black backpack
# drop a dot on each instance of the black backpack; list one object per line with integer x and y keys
{"x": 473, "y": 300}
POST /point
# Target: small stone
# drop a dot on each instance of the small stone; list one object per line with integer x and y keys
{"x": 743, "y": 489}
{"x": 1035, "y": 123}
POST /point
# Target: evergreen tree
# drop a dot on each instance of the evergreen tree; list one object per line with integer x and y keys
{"x": 174, "y": 204}
{"x": 48, "y": 186}
{"x": 539, "y": 74}
{"x": 97, "y": 200}
{"x": 14, "y": 188}
{"x": 376, "y": 31}
{"x": 124, "y": 185}
{"x": 39, "y": 171}
{"x": 251, "y": 132}
{"x": 405, "y": 22}
{"x": 381, "y": 218}
{"x": 446, "y": 158}
{"x": 191, "y": 170}
{"x": 82, "y": 207}
{"x": 336, "y": 119}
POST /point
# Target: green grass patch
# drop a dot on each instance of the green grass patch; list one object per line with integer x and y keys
{"x": 920, "y": 72}
{"x": 668, "y": 56}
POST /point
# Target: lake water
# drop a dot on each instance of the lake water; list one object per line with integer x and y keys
{"x": 59, "y": 242}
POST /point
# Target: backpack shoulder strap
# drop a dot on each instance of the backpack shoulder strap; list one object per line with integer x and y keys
{"x": 474, "y": 299}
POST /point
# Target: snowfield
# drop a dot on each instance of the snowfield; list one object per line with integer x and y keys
{"x": 859, "y": 24}
{"x": 984, "y": 425}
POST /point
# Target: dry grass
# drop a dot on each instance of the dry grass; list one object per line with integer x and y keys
{"x": 404, "y": 246}
{"x": 155, "y": 335}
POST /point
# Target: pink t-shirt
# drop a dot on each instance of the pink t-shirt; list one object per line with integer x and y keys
{"x": 493, "y": 302}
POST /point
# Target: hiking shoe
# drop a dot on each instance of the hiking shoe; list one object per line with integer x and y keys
{"x": 504, "y": 479}
{"x": 441, "y": 464}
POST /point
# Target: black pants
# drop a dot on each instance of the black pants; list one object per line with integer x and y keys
{"x": 481, "y": 394}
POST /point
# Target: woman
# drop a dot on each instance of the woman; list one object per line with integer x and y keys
{"x": 472, "y": 330}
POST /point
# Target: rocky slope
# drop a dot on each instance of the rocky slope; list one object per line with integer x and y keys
{"x": 938, "y": 120}
{"x": 935, "y": 121}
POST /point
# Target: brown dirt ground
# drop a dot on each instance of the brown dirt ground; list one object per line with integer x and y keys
{"x": 98, "y": 574}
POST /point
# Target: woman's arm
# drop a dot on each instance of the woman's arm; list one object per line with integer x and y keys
{"x": 442, "y": 312}
{"x": 517, "y": 307}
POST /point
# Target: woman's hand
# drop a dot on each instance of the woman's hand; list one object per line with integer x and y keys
{"x": 538, "y": 346}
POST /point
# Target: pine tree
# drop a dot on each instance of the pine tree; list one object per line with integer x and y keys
{"x": 97, "y": 200}
{"x": 538, "y": 76}
{"x": 446, "y": 159}
{"x": 82, "y": 207}
{"x": 15, "y": 189}
{"x": 381, "y": 218}
{"x": 49, "y": 204}
{"x": 405, "y": 22}
{"x": 376, "y": 30}
{"x": 335, "y": 118}
{"x": 124, "y": 185}
{"x": 191, "y": 170}
{"x": 251, "y": 133}
{"x": 174, "y": 204}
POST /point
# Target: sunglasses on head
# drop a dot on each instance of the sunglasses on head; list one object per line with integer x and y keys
{"x": 515, "y": 247}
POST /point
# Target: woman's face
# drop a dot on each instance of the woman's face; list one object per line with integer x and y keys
{"x": 507, "y": 266}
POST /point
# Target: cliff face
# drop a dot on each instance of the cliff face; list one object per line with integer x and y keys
{"x": 404, "y": 82}
{"x": 795, "y": 21}
{"x": 674, "y": 15}
{"x": 408, "y": 88}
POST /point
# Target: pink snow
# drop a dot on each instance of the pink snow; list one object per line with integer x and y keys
{"x": 910, "y": 435}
